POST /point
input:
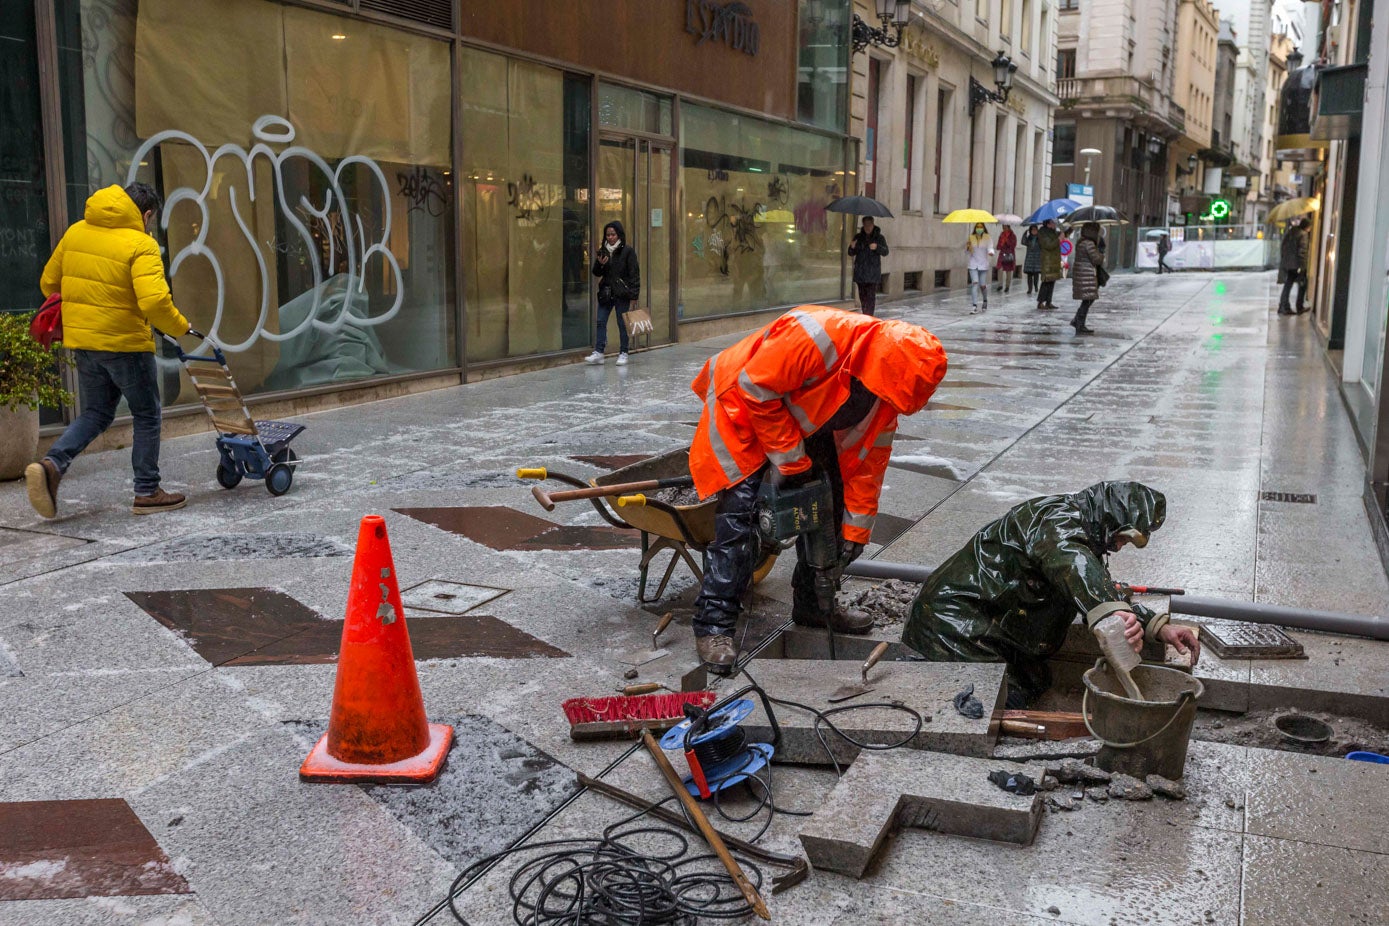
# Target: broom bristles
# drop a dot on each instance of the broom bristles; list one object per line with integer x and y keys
{"x": 634, "y": 708}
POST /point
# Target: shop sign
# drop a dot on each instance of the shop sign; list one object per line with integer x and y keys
{"x": 729, "y": 23}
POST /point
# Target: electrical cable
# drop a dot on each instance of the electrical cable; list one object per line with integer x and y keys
{"x": 609, "y": 881}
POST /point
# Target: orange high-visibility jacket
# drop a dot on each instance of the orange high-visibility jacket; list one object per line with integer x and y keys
{"x": 765, "y": 394}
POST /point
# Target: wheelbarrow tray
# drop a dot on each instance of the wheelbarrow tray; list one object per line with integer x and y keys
{"x": 692, "y": 524}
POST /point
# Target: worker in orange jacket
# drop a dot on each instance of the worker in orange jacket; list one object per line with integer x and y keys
{"x": 816, "y": 391}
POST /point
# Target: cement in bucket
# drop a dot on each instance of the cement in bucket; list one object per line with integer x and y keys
{"x": 1141, "y": 737}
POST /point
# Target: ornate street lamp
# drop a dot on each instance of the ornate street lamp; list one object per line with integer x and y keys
{"x": 1004, "y": 68}
{"x": 891, "y": 13}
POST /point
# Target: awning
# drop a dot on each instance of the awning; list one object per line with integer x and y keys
{"x": 1338, "y": 100}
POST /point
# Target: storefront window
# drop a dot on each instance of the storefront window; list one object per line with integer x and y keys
{"x": 625, "y": 108}
{"x": 757, "y": 234}
{"x": 822, "y": 87}
{"x": 24, "y": 233}
{"x": 306, "y": 172}
{"x": 526, "y": 214}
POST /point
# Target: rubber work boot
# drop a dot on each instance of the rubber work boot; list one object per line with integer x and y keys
{"x": 852, "y": 621}
{"x": 41, "y": 479}
{"x": 717, "y": 652}
{"x": 159, "y": 501}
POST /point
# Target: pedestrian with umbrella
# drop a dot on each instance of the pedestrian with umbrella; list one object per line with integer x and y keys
{"x": 1292, "y": 268}
{"x": 1032, "y": 264}
{"x": 979, "y": 248}
{"x": 1049, "y": 246}
{"x": 1164, "y": 247}
{"x": 1086, "y": 269}
{"x": 1007, "y": 256}
{"x": 868, "y": 249}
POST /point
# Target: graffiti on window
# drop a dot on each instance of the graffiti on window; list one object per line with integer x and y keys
{"x": 425, "y": 190}
{"x": 342, "y": 236}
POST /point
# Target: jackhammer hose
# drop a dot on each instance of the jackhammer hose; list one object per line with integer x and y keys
{"x": 1359, "y": 625}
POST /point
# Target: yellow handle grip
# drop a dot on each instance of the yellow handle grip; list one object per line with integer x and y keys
{"x": 534, "y": 472}
{"x": 636, "y": 501}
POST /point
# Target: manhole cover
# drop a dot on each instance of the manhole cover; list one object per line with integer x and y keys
{"x": 443, "y": 597}
{"x": 1250, "y": 641}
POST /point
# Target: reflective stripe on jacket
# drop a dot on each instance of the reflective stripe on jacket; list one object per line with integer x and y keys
{"x": 763, "y": 395}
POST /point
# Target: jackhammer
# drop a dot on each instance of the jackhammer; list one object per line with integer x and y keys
{"x": 785, "y": 514}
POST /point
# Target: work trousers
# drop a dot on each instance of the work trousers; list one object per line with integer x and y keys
{"x": 731, "y": 559}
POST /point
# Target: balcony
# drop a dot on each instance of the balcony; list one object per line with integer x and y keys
{"x": 1121, "y": 92}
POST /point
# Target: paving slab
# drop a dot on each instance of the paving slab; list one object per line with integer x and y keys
{"x": 926, "y": 687}
{"x": 1318, "y": 800}
{"x": 1289, "y": 882}
{"x": 885, "y": 791}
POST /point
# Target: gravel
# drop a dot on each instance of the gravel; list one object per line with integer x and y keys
{"x": 888, "y": 602}
{"x": 680, "y": 498}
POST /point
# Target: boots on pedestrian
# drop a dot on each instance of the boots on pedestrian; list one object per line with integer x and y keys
{"x": 851, "y": 621}
{"x": 717, "y": 652}
{"x": 159, "y": 501}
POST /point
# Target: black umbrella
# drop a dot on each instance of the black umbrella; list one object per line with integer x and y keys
{"x": 859, "y": 205}
{"x": 1100, "y": 215}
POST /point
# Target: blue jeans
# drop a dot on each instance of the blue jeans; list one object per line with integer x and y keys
{"x": 103, "y": 376}
{"x": 604, "y": 310}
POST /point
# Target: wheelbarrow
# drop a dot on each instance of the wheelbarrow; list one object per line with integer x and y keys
{"x": 681, "y": 529}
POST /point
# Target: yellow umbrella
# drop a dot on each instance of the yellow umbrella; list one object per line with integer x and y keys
{"x": 970, "y": 217}
{"x": 1284, "y": 211}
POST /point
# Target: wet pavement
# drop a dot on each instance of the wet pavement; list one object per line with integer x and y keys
{"x": 162, "y": 678}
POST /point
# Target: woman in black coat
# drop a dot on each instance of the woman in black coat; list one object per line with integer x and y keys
{"x": 619, "y": 284}
{"x": 1032, "y": 263}
{"x": 868, "y": 249}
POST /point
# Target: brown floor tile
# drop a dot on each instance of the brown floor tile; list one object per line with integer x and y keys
{"x": 95, "y": 848}
{"x": 261, "y": 627}
{"x": 613, "y": 461}
{"x": 223, "y": 624}
{"x": 503, "y": 528}
{"x": 495, "y": 526}
{"x": 888, "y": 527}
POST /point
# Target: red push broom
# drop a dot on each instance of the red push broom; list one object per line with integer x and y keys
{"x": 620, "y": 717}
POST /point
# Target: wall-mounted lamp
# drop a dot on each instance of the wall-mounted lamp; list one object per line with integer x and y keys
{"x": 1004, "y": 69}
{"x": 1191, "y": 162}
{"x": 894, "y": 14}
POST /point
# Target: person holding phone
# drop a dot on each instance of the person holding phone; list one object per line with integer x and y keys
{"x": 619, "y": 284}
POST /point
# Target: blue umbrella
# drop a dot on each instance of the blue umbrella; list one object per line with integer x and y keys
{"x": 1056, "y": 209}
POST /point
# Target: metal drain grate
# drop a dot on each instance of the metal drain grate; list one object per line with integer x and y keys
{"x": 1288, "y": 497}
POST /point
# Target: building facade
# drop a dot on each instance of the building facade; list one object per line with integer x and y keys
{"x": 926, "y": 151}
{"x": 1251, "y": 21}
{"x": 1194, "y": 90}
{"x": 1275, "y": 179}
{"x": 367, "y": 191}
{"x": 1120, "y": 103}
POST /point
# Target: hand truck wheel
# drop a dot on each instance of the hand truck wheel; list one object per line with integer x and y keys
{"x": 228, "y": 478}
{"x": 278, "y": 479}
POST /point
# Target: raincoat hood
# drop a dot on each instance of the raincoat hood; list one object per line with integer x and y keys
{"x": 1110, "y": 507}
{"x": 112, "y": 207}
{"x": 617, "y": 227}
{"x": 899, "y": 362}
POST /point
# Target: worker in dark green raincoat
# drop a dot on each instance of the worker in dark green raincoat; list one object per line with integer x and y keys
{"x": 1010, "y": 594}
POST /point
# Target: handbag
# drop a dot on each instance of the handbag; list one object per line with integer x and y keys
{"x": 1101, "y": 275}
{"x": 638, "y": 321}
{"x": 47, "y": 325}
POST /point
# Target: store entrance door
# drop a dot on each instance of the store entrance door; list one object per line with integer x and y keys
{"x": 635, "y": 188}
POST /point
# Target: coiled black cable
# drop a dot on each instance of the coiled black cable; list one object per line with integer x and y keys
{"x": 609, "y": 881}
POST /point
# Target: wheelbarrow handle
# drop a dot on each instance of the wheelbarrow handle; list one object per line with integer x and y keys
{"x": 548, "y": 500}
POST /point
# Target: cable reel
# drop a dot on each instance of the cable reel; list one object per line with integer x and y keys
{"x": 716, "y": 747}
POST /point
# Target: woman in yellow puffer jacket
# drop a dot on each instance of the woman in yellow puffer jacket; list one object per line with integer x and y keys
{"x": 110, "y": 274}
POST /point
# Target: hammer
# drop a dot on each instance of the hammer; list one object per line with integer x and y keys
{"x": 548, "y": 500}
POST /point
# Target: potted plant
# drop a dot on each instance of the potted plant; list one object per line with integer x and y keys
{"x": 29, "y": 377}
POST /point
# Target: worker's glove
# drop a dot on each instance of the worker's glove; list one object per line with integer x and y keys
{"x": 848, "y": 552}
{"x": 795, "y": 480}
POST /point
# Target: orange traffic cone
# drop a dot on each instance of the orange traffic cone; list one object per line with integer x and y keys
{"x": 377, "y": 730}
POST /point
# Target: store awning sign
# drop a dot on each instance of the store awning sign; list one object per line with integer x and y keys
{"x": 729, "y": 23}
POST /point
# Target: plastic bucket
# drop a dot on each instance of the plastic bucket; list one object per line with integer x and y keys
{"x": 1141, "y": 738}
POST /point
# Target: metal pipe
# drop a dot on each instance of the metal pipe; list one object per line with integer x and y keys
{"x": 1360, "y": 625}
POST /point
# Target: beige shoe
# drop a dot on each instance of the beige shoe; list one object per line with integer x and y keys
{"x": 41, "y": 479}
{"x": 159, "y": 501}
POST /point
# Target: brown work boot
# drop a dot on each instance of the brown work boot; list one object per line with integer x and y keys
{"x": 852, "y": 621}
{"x": 717, "y": 652}
{"x": 159, "y": 501}
{"x": 41, "y": 479}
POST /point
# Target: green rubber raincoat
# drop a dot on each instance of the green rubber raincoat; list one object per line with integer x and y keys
{"x": 1010, "y": 594}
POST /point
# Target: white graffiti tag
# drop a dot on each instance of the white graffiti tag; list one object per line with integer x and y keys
{"x": 342, "y": 228}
